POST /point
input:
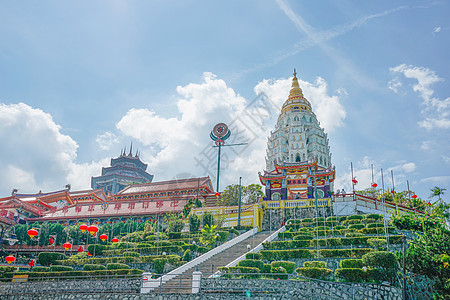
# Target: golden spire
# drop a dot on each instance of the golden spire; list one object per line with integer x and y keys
{"x": 296, "y": 100}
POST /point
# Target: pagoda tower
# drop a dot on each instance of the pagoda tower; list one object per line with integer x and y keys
{"x": 298, "y": 157}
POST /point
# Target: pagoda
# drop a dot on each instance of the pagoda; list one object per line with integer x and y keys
{"x": 125, "y": 170}
{"x": 298, "y": 158}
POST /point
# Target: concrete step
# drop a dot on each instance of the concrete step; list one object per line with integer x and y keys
{"x": 183, "y": 282}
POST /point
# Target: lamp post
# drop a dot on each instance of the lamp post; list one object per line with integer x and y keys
{"x": 239, "y": 208}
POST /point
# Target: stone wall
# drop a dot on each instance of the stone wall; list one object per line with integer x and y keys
{"x": 274, "y": 218}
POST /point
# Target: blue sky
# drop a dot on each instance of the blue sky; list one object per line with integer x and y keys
{"x": 80, "y": 80}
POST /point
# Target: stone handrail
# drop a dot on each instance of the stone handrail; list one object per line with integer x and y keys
{"x": 257, "y": 248}
{"x": 155, "y": 283}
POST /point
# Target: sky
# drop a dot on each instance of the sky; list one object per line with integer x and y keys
{"x": 81, "y": 80}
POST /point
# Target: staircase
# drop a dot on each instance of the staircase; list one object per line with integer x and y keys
{"x": 182, "y": 284}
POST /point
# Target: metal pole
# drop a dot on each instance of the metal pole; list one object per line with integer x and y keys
{"x": 404, "y": 276}
{"x": 239, "y": 209}
{"x": 353, "y": 184}
{"x": 317, "y": 210}
{"x": 218, "y": 167}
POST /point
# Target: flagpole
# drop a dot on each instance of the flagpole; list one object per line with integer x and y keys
{"x": 353, "y": 183}
{"x": 373, "y": 187}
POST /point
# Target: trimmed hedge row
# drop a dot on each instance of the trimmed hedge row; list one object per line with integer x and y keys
{"x": 306, "y": 253}
{"x": 173, "y": 259}
{"x": 318, "y": 273}
{"x": 48, "y": 258}
{"x": 67, "y": 274}
{"x": 147, "y": 250}
{"x": 351, "y": 263}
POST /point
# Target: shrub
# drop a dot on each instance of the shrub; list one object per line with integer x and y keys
{"x": 39, "y": 269}
{"x": 318, "y": 273}
{"x": 266, "y": 268}
{"x": 286, "y": 235}
{"x": 369, "y": 221}
{"x": 93, "y": 267}
{"x": 252, "y": 263}
{"x": 159, "y": 264}
{"x": 131, "y": 254}
{"x": 377, "y": 230}
{"x": 332, "y": 218}
{"x": 305, "y": 229}
{"x": 58, "y": 268}
{"x": 174, "y": 235}
{"x": 279, "y": 272}
{"x": 293, "y": 221}
{"x": 287, "y": 265}
{"x": 374, "y": 216}
{"x": 299, "y": 244}
{"x": 351, "y": 263}
{"x": 357, "y": 226}
{"x": 232, "y": 230}
{"x": 357, "y": 252}
{"x": 307, "y": 220}
{"x": 331, "y": 223}
{"x": 285, "y": 254}
{"x": 249, "y": 271}
{"x": 96, "y": 249}
{"x": 257, "y": 256}
{"x": 358, "y": 240}
{"x": 351, "y": 274}
{"x": 116, "y": 266}
{"x": 322, "y": 228}
{"x": 48, "y": 258}
{"x": 319, "y": 219}
{"x": 339, "y": 227}
{"x": 68, "y": 274}
{"x": 173, "y": 259}
{"x": 342, "y": 218}
{"x": 377, "y": 243}
{"x": 315, "y": 264}
{"x": 355, "y": 217}
{"x": 223, "y": 236}
{"x": 353, "y": 234}
{"x": 384, "y": 263}
{"x": 186, "y": 255}
{"x": 303, "y": 237}
{"x": 375, "y": 225}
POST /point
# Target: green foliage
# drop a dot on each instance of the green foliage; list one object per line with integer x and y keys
{"x": 93, "y": 267}
{"x": 248, "y": 271}
{"x": 58, "y": 268}
{"x": 383, "y": 261}
{"x": 253, "y": 263}
{"x": 223, "y": 236}
{"x": 187, "y": 255}
{"x": 208, "y": 235}
{"x": 48, "y": 258}
{"x": 257, "y": 256}
{"x": 131, "y": 254}
{"x": 279, "y": 272}
{"x": 339, "y": 227}
{"x": 351, "y": 263}
{"x": 159, "y": 264}
{"x": 355, "y": 217}
{"x": 319, "y": 219}
{"x": 351, "y": 274}
{"x": 357, "y": 226}
{"x": 96, "y": 249}
{"x": 286, "y": 235}
{"x": 355, "y": 252}
{"x": 377, "y": 243}
{"x": 249, "y": 194}
{"x": 207, "y": 219}
{"x": 374, "y": 216}
{"x": 318, "y": 273}
{"x": 287, "y": 265}
{"x": 286, "y": 254}
{"x": 315, "y": 264}
{"x": 116, "y": 266}
{"x": 303, "y": 237}
{"x": 67, "y": 275}
{"x": 39, "y": 269}
{"x": 354, "y": 234}
{"x": 174, "y": 222}
{"x": 375, "y": 225}
{"x": 194, "y": 223}
{"x": 174, "y": 235}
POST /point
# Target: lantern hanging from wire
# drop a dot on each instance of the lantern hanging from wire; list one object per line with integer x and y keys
{"x": 83, "y": 227}
{"x": 115, "y": 240}
{"x": 32, "y": 233}
{"x": 103, "y": 237}
{"x": 10, "y": 259}
{"x": 92, "y": 230}
{"x": 67, "y": 246}
{"x": 374, "y": 185}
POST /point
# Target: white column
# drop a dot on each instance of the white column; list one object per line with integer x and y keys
{"x": 196, "y": 282}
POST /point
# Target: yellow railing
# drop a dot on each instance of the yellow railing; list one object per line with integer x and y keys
{"x": 291, "y": 203}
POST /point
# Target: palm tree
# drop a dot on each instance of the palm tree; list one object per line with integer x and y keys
{"x": 437, "y": 192}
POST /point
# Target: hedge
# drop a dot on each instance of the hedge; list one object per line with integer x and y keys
{"x": 303, "y": 237}
{"x": 380, "y": 259}
{"x": 373, "y": 216}
{"x": 254, "y": 272}
{"x": 159, "y": 264}
{"x": 39, "y": 269}
{"x": 93, "y": 267}
{"x": 378, "y": 230}
{"x": 293, "y": 221}
{"x": 96, "y": 249}
{"x": 253, "y": 263}
{"x": 131, "y": 254}
{"x": 333, "y": 218}
{"x": 351, "y": 263}
{"x": 48, "y": 258}
{"x": 284, "y": 254}
{"x": 223, "y": 236}
{"x": 286, "y": 235}
{"x": 69, "y": 274}
{"x": 173, "y": 259}
{"x": 351, "y": 274}
{"x": 9, "y": 268}
{"x": 315, "y": 264}
{"x": 355, "y": 217}
{"x": 59, "y": 268}
{"x": 253, "y": 256}
{"x": 318, "y": 273}
{"x": 357, "y": 226}
{"x": 339, "y": 227}
{"x": 187, "y": 255}
{"x": 117, "y": 266}
{"x": 279, "y": 273}
{"x": 375, "y": 225}
{"x": 149, "y": 250}
{"x": 357, "y": 252}
{"x": 174, "y": 235}
{"x": 289, "y": 266}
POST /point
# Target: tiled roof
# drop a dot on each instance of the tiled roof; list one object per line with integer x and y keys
{"x": 178, "y": 184}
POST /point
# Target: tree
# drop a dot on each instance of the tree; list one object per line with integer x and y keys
{"x": 207, "y": 219}
{"x": 174, "y": 222}
{"x": 208, "y": 235}
{"x": 249, "y": 194}
{"x": 194, "y": 223}
{"x": 437, "y": 192}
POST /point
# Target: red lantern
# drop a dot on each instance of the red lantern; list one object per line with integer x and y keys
{"x": 354, "y": 181}
{"x": 83, "y": 227}
{"x": 414, "y": 196}
{"x": 51, "y": 240}
{"x": 80, "y": 249}
{"x": 67, "y": 246}
{"x": 374, "y": 185}
{"x": 32, "y": 233}
{"x": 429, "y": 203}
{"x": 115, "y": 240}
{"x": 92, "y": 230}
{"x": 31, "y": 263}
{"x": 9, "y": 259}
{"x": 217, "y": 194}
{"x": 88, "y": 254}
{"x": 103, "y": 237}
{"x": 393, "y": 192}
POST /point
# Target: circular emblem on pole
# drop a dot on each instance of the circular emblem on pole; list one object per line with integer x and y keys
{"x": 220, "y": 133}
{"x": 105, "y": 205}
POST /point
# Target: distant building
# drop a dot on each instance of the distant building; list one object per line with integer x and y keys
{"x": 124, "y": 170}
{"x": 298, "y": 156}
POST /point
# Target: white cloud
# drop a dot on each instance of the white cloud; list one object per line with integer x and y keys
{"x": 35, "y": 155}
{"x": 436, "y": 179}
{"x": 426, "y": 145}
{"x": 394, "y": 84}
{"x": 438, "y": 108}
{"x": 106, "y": 140}
{"x": 437, "y": 29}
{"x": 329, "y": 110}
{"x": 181, "y": 143}
{"x": 446, "y": 159}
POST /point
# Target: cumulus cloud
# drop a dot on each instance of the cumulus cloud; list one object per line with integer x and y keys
{"x": 106, "y": 140}
{"x": 438, "y": 108}
{"x": 181, "y": 143}
{"x": 437, "y": 29}
{"x": 329, "y": 110}
{"x": 35, "y": 155}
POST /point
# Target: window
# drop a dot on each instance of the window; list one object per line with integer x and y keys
{"x": 276, "y": 196}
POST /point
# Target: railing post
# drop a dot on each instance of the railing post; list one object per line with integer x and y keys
{"x": 196, "y": 281}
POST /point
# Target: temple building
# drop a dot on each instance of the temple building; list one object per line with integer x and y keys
{"x": 298, "y": 156}
{"x": 124, "y": 170}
